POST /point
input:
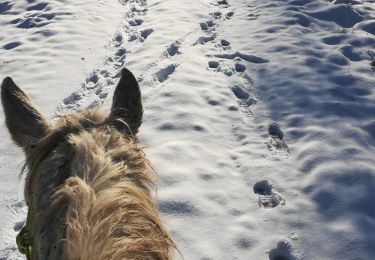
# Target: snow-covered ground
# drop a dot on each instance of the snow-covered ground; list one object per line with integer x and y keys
{"x": 259, "y": 114}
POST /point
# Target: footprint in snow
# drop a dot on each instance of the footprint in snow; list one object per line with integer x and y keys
{"x": 224, "y": 44}
{"x": 223, "y": 3}
{"x": 276, "y": 141}
{"x": 267, "y": 198}
{"x": 35, "y": 15}
{"x": 173, "y": 49}
{"x": 18, "y": 225}
{"x": 205, "y": 26}
{"x": 135, "y": 22}
{"x": 93, "y": 78}
{"x": 18, "y": 207}
{"x": 164, "y": 73}
{"x": 229, "y": 15}
{"x": 238, "y": 68}
{"x": 213, "y": 64}
{"x": 94, "y": 90}
{"x": 72, "y": 99}
{"x": 283, "y": 251}
{"x": 120, "y": 56}
{"x": 34, "y": 20}
{"x": 243, "y": 97}
{"x": 145, "y": 33}
{"x": 117, "y": 40}
{"x": 140, "y": 36}
{"x": 216, "y": 15}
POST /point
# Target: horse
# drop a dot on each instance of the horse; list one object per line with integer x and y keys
{"x": 88, "y": 183}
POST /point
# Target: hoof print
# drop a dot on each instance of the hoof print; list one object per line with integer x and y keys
{"x": 267, "y": 198}
{"x": 283, "y": 251}
{"x": 276, "y": 141}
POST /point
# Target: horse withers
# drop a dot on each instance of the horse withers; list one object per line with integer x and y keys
{"x": 88, "y": 184}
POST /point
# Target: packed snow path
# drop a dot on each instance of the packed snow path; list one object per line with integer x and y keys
{"x": 259, "y": 115}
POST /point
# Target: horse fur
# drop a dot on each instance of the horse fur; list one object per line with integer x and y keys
{"x": 88, "y": 181}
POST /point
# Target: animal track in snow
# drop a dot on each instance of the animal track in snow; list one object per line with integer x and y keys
{"x": 34, "y": 16}
{"x": 229, "y": 15}
{"x": 163, "y": 74}
{"x": 205, "y": 26}
{"x": 18, "y": 207}
{"x": 135, "y": 22}
{"x": 141, "y": 36}
{"x": 228, "y": 70}
{"x": 222, "y": 3}
{"x": 117, "y": 40}
{"x": 244, "y": 98}
{"x": 132, "y": 25}
{"x": 34, "y": 20}
{"x": 216, "y": 15}
{"x": 173, "y": 49}
{"x": 240, "y": 93}
{"x": 213, "y": 64}
{"x": 234, "y": 67}
{"x": 276, "y": 141}
{"x": 145, "y": 33}
{"x": 18, "y": 225}
{"x": 239, "y": 67}
{"x": 161, "y": 70}
{"x": 92, "y": 93}
{"x": 283, "y": 251}
{"x": 267, "y": 198}
{"x": 95, "y": 88}
{"x": 224, "y": 44}
{"x": 210, "y": 26}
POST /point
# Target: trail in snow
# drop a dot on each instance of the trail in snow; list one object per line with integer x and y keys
{"x": 132, "y": 34}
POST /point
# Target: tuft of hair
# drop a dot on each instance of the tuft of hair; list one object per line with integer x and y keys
{"x": 110, "y": 213}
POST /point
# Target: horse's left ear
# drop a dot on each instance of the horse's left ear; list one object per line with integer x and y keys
{"x": 127, "y": 111}
{"x": 25, "y": 123}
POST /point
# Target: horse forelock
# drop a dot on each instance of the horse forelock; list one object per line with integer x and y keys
{"x": 66, "y": 125}
{"x": 109, "y": 210}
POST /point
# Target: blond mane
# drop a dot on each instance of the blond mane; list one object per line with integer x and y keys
{"x": 109, "y": 210}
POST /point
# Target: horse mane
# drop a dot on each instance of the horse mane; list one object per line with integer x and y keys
{"x": 106, "y": 198}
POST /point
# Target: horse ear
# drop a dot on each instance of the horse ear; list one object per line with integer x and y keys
{"x": 23, "y": 120}
{"x": 126, "y": 113}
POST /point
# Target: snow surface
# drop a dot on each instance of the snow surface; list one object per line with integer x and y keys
{"x": 259, "y": 115}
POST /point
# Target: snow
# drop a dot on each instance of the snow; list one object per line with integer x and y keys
{"x": 259, "y": 115}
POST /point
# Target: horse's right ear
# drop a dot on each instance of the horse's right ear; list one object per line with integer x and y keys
{"x": 127, "y": 104}
{"x": 23, "y": 120}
